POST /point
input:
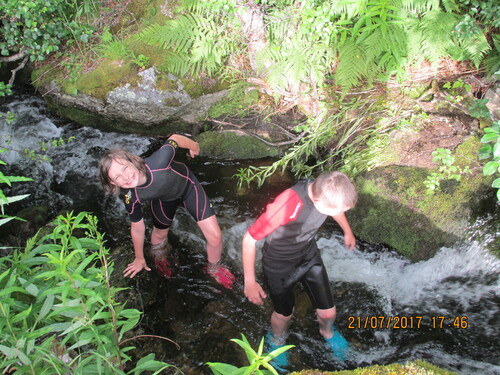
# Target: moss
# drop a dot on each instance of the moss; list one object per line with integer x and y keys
{"x": 197, "y": 87}
{"x": 230, "y": 145}
{"x": 388, "y": 212}
{"x": 172, "y": 102}
{"x": 107, "y": 76}
{"x": 164, "y": 83}
{"x": 417, "y": 367}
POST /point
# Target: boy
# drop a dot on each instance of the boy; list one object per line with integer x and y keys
{"x": 290, "y": 254}
{"x": 166, "y": 184}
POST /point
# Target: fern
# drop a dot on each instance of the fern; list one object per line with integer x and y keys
{"x": 352, "y": 66}
{"x": 196, "y": 44}
{"x": 431, "y": 36}
{"x": 287, "y": 67}
{"x": 472, "y": 47}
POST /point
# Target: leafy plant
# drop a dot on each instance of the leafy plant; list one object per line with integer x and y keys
{"x": 33, "y": 29}
{"x": 256, "y": 359}
{"x": 6, "y": 200}
{"x": 58, "y": 313}
{"x": 197, "y": 43}
{"x": 491, "y": 150}
{"x": 446, "y": 171}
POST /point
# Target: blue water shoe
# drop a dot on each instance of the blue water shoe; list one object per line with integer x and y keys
{"x": 280, "y": 362}
{"x": 338, "y": 345}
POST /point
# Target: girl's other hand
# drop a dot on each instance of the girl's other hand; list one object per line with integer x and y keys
{"x": 135, "y": 267}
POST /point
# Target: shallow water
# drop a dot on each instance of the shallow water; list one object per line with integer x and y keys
{"x": 371, "y": 285}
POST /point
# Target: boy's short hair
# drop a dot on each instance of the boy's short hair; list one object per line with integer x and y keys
{"x": 335, "y": 189}
{"x": 105, "y": 164}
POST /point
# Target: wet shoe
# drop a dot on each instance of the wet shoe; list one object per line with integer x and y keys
{"x": 338, "y": 345}
{"x": 281, "y": 362}
{"x": 162, "y": 267}
{"x": 221, "y": 274}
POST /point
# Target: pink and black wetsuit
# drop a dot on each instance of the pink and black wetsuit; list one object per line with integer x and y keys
{"x": 168, "y": 184}
{"x": 290, "y": 254}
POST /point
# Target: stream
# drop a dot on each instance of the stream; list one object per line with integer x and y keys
{"x": 444, "y": 310}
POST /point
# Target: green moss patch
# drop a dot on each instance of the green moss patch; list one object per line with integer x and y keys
{"x": 231, "y": 145}
{"x": 417, "y": 367}
{"x": 106, "y": 77}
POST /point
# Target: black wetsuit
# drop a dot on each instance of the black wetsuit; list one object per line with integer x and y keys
{"x": 168, "y": 184}
{"x": 290, "y": 253}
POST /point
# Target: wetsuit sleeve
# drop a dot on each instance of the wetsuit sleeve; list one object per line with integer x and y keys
{"x": 133, "y": 206}
{"x": 163, "y": 156}
{"x": 284, "y": 209}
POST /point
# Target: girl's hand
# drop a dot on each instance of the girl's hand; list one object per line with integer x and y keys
{"x": 195, "y": 150}
{"x": 135, "y": 267}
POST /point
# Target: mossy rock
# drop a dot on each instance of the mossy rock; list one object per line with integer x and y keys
{"x": 417, "y": 367}
{"x": 234, "y": 145}
{"x": 393, "y": 209}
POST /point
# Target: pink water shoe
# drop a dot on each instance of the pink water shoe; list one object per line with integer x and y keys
{"x": 221, "y": 274}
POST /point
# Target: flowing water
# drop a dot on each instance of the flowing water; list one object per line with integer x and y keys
{"x": 444, "y": 310}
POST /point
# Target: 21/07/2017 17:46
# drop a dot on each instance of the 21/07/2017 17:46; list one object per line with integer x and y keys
{"x": 406, "y": 322}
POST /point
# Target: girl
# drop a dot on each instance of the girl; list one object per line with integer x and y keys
{"x": 166, "y": 184}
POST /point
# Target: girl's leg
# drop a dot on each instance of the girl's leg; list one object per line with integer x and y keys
{"x": 159, "y": 236}
{"x": 213, "y": 235}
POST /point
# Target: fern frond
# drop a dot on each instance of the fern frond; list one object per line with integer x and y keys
{"x": 177, "y": 34}
{"x": 201, "y": 44}
{"x": 431, "y": 36}
{"x": 287, "y": 67}
{"x": 474, "y": 48}
{"x": 352, "y": 65}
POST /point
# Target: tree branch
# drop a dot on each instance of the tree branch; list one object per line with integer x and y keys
{"x": 18, "y": 56}
{"x": 19, "y": 67}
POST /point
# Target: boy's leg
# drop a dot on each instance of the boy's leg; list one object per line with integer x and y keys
{"x": 279, "y": 326}
{"x": 317, "y": 285}
{"x": 325, "y": 320}
{"x": 276, "y": 338}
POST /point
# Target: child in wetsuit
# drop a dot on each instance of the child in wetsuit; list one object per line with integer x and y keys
{"x": 290, "y": 255}
{"x": 166, "y": 184}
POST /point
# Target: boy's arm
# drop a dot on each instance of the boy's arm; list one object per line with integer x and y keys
{"x": 185, "y": 142}
{"x": 253, "y": 291}
{"x": 349, "y": 239}
{"x": 137, "y": 231}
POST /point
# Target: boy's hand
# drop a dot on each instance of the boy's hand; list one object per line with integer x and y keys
{"x": 350, "y": 241}
{"x": 255, "y": 293}
{"x": 135, "y": 267}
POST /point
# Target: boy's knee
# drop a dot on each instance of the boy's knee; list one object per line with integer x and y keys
{"x": 283, "y": 318}
{"x": 328, "y": 314}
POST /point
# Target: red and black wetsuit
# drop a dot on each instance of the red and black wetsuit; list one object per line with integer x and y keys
{"x": 290, "y": 254}
{"x": 168, "y": 184}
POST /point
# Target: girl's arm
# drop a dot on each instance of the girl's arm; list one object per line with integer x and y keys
{"x": 137, "y": 231}
{"x": 185, "y": 142}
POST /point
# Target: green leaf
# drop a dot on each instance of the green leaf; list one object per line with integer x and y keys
{"x": 489, "y": 137}
{"x": 490, "y": 168}
{"x": 46, "y": 307}
{"x": 496, "y": 183}
{"x": 219, "y": 368}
